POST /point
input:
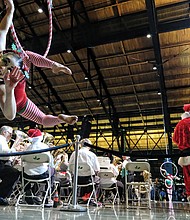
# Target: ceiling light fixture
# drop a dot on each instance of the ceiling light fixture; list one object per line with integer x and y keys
{"x": 68, "y": 51}
{"x": 154, "y": 67}
{"x": 148, "y": 36}
{"x": 40, "y": 10}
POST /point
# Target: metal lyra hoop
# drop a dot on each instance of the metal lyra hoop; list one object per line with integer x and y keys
{"x": 162, "y": 169}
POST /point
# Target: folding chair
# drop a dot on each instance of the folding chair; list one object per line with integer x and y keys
{"x": 85, "y": 170}
{"x": 141, "y": 188}
{"x": 12, "y": 199}
{"x": 37, "y": 159}
{"x": 104, "y": 162}
{"x": 106, "y": 180}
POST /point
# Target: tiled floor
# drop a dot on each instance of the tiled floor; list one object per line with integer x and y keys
{"x": 159, "y": 211}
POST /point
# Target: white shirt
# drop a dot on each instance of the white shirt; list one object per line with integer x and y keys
{"x": 86, "y": 156}
{"x": 36, "y": 169}
{"x": 4, "y": 148}
{"x": 125, "y": 162}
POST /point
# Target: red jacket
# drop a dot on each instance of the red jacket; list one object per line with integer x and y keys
{"x": 181, "y": 134}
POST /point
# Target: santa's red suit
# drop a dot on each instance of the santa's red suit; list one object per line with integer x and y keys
{"x": 181, "y": 137}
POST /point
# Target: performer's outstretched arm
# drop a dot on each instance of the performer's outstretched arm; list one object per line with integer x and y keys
{"x": 7, "y": 97}
{"x": 6, "y": 23}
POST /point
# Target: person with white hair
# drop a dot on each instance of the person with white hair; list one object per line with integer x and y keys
{"x": 86, "y": 156}
{"x": 8, "y": 174}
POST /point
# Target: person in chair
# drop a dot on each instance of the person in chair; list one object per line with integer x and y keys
{"x": 8, "y": 174}
{"x": 86, "y": 156}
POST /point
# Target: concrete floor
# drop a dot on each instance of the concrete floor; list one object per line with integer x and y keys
{"x": 159, "y": 211}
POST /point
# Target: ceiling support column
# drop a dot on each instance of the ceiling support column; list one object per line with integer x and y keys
{"x": 153, "y": 21}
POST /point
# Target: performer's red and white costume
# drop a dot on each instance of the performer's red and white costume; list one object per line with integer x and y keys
{"x": 37, "y": 60}
{"x": 182, "y": 138}
{"x": 25, "y": 107}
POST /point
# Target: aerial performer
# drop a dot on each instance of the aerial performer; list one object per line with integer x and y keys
{"x": 181, "y": 137}
{"x": 14, "y": 67}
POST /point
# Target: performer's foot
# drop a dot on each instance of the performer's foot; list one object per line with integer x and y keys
{"x": 57, "y": 67}
{"x": 69, "y": 119}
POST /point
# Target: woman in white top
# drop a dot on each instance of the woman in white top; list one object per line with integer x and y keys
{"x": 112, "y": 181}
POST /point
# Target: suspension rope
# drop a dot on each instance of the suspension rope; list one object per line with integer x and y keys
{"x": 18, "y": 45}
{"x": 15, "y": 38}
{"x": 49, "y": 4}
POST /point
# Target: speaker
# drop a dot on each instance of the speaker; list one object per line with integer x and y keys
{"x": 85, "y": 128}
{"x": 70, "y": 134}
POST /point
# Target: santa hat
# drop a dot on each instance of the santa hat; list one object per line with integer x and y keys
{"x": 186, "y": 107}
{"x": 34, "y": 133}
{"x": 186, "y": 114}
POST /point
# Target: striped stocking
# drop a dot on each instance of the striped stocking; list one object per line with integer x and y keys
{"x": 37, "y": 60}
{"x": 33, "y": 113}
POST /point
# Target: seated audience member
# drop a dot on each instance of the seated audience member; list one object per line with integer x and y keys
{"x": 63, "y": 176}
{"x": 130, "y": 175}
{"x": 64, "y": 165}
{"x": 36, "y": 171}
{"x": 62, "y": 173}
{"x": 86, "y": 156}
{"x": 8, "y": 175}
{"x": 61, "y": 162}
{"x": 16, "y": 162}
{"x": 111, "y": 182}
{"x": 157, "y": 188}
{"x": 20, "y": 145}
{"x": 163, "y": 194}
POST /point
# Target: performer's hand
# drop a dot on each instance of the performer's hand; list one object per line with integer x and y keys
{"x": 11, "y": 78}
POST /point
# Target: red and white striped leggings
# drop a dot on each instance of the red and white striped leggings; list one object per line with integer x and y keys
{"x": 25, "y": 107}
{"x": 38, "y": 60}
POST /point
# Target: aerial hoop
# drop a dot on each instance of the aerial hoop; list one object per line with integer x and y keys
{"x": 15, "y": 38}
{"x": 163, "y": 170}
{"x": 49, "y": 4}
{"x": 168, "y": 177}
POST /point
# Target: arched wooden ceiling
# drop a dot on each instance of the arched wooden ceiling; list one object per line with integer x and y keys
{"x": 112, "y": 61}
